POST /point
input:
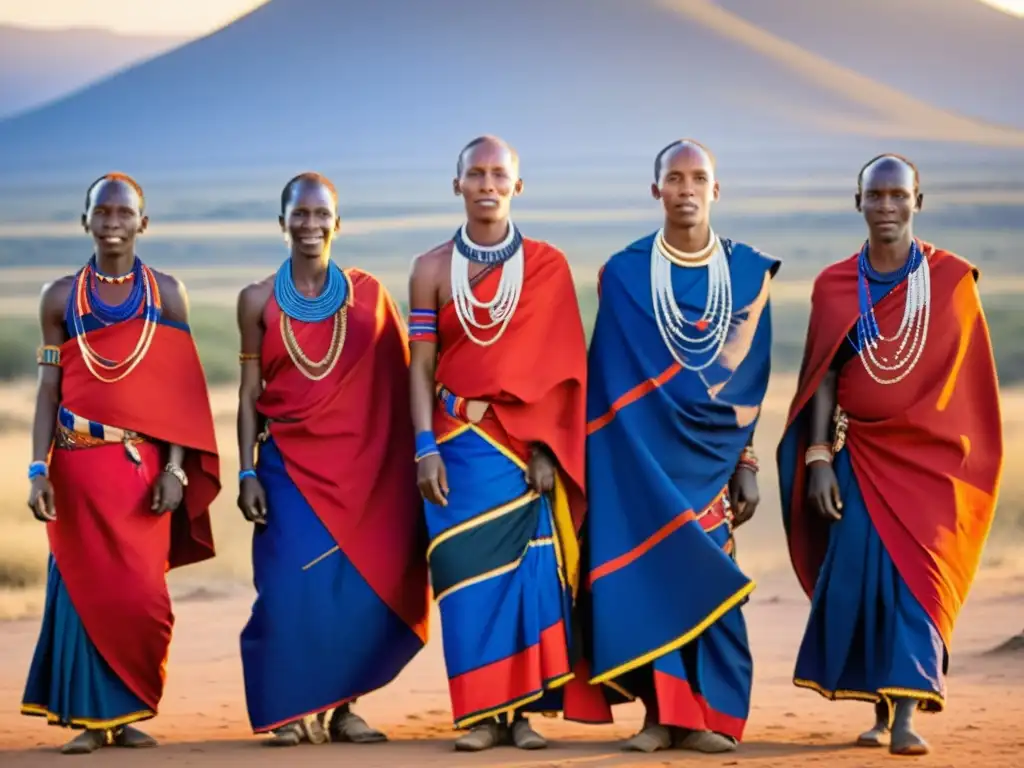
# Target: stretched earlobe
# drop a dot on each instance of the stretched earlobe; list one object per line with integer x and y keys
{"x": 856, "y": 201}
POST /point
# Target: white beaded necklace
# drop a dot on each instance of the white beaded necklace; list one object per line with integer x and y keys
{"x": 713, "y": 325}
{"x": 506, "y": 298}
{"x": 913, "y": 330}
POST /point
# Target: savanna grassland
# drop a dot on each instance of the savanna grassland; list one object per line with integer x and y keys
{"x": 217, "y": 247}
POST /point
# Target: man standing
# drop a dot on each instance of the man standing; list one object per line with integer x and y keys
{"x": 890, "y": 464}
{"x": 498, "y": 386}
{"x": 679, "y": 364}
{"x": 124, "y": 469}
{"x": 338, "y": 549}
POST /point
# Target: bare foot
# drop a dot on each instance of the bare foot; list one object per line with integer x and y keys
{"x": 480, "y": 737}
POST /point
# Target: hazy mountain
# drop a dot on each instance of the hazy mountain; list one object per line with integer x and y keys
{"x": 38, "y": 65}
{"x": 961, "y": 55}
{"x": 394, "y": 84}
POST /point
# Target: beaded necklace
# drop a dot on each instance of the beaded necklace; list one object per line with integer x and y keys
{"x": 712, "y": 328}
{"x": 912, "y": 334}
{"x": 84, "y": 299}
{"x": 331, "y": 303}
{"x": 507, "y": 254}
{"x": 108, "y": 314}
{"x": 114, "y": 279}
{"x": 310, "y": 310}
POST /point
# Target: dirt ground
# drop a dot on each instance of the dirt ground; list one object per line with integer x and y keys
{"x": 203, "y": 720}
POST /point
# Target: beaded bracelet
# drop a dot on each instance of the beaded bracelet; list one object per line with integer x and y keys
{"x": 749, "y": 460}
{"x": 48, "y": 354}
{"x": 425, "y": 445}
{"x": 818, "y": 452}
{"x": 37, "y": 469}
{"x": 246, "y": 473}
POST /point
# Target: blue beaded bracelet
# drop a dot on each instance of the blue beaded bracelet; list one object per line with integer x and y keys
{"x": 37, "y": 469}
{"x": 246, "y": 473}
{"x": 425, "y": 445}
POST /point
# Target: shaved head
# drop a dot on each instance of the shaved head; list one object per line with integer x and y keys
{"x": 664, "y": 157}
{"x": 493, "y": 141}
{"x": 889, "y": 163}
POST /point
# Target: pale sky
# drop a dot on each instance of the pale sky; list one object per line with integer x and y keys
{"x": 173, "y": 17}
{"x": 177, "y": 17}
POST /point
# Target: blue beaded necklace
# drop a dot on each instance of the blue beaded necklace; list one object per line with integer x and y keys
{"x": 497, "y": 255}
{"x": 868, "y": 332}
{"x": 108, "y": 314}
{"x": 298, "y": 307}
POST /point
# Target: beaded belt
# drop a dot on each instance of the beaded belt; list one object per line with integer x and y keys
{"x": 717, "y": 513}
{"x": 73, "y": 431}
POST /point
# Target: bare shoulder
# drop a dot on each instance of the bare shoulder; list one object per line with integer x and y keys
{"x": 253, "y": 298}
{"x": 432, "y": 264}
{"x": 54, "y": 295}
{"x": 257, "y": 294}
{"x": 173, "y": 296}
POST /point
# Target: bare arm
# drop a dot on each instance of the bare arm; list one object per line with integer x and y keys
{"x": 48, "y": 397}
{"x": 423, "y": 354}
{"x": 823, "y": 403}
{"x": 431, "y": 475}
{"x": 822, "y": 486}
{"x": 250, "y": 327}
{"x": 48, "y": 391}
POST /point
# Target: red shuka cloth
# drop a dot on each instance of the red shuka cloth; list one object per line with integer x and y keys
{"x": 112, "y": 550}
{"x": 535, "y": 375}
{"x": 927, "y": 451}
{"x": 348, "y": 442}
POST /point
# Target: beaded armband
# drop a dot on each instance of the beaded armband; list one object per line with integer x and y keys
{"x": 38, "y": 469}
{"x": 423, "y": 325}
{"x": 454, "y": 405}
{"x": 48, "y": 355}
{"x": 244, "y": 356}
{"x": 749, "y": 460}
{"x": 426, "y": 445}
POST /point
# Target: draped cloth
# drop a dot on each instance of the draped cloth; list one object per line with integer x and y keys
{"x": 342, "y": 600}
{"x": 920, "y": 470}
{"x": 101, "y": 656}
{"x": 504, "y": 560}
{"x": 663, "y": 442}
